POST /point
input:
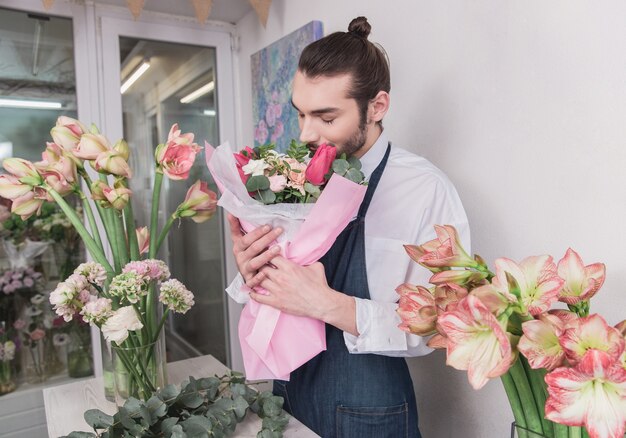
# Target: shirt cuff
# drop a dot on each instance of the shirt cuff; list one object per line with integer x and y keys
{"x": 377, "y": 324}
{"x": 238, "y": 290}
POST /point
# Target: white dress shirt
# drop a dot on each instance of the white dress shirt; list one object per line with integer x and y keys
{"x": 411, "y": 197}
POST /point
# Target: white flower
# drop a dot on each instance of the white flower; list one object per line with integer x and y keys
{"x": 123, "y": 320}
{"x": 176, "y": 296}
{"x": 60, "y": 339}
{"x": 97, "y": 311}
{"x": 255, "y": 167}
{"x": 95, "y": 272}
{"x": 38, "y": 299}
{"x": 9, "y": 351}
{"x": 32, "y": 311}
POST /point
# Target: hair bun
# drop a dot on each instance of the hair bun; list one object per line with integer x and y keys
{"x": 360, "y": 27}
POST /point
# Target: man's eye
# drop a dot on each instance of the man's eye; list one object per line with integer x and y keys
{"x": 328, "y": 122}
{"x": 300, "y": 116}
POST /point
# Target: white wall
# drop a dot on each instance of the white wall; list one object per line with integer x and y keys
{"x": 523, "y": 105}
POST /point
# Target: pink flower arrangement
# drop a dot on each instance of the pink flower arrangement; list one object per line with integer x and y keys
{"x": 294, "y": 177}
{"x": 503, "y": 325}
{"x": 20, "y": 280}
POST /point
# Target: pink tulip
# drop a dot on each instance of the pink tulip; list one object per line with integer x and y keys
{"x": 143, "y": 237}
{"x": 476, "y": 341}
{"x": 37, "y": 334}
{"x": 591, "y": 333}
{"x": 113, "y": 163}
{"x": 581, "y": 282}
{"x": 67, "y": 132}
{"x": 12, "y": 188}
{"x": 447, "y": 250}
{"x": 27, "y": 205}
{"x": 118, "y": 198}
{"x": 176, "y": 157}
{"x": 320, "y": 164}
{"x": 416, "y": 308}
{"x": 592, "y": 394}
{"x": 91, "y": 146}
{"x": 200, "y": 203}
{"x": 540, "y": 342}
{"x": 536, "y": 278}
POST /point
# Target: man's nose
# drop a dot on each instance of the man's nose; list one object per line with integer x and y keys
{"x": 307, "y": 132}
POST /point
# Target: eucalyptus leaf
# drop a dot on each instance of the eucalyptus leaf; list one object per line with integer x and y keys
{"x": 271, "y": 408}
{"x": 257, "y": 182}
{"x": 240, "y": 407}
{"x": 169, "y": 392}
{"x": 80, "y": 435}
{"x": 354, "y": 163}
{"x": 340, "y": 166}
{"x": 177, "y": 432}
{"x": 157, "y": 408}
{"x": 312, "y": 189}
{"x": 191, "y": 400}
{"x": 98, "y": 419}
{"x": 354, "y": 175}
{"x": 168, "y": 424}
{"x": 197, "y": 425}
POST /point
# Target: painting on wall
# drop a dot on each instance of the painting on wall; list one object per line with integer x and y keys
{"x": 273, "y": 68}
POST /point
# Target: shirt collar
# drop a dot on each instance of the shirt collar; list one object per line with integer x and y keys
{"x": 374, "y": 156}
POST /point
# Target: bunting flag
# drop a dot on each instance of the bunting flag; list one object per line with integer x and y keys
{"x": 203, "y": 9}
{"x": 47, "y": 4}
{"x": 262, "y": 8}
{"x": 135, "y": 7}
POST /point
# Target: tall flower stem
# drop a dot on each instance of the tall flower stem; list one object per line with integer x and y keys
{"x": 92, "y": 220}
{"x": 540, "y": 394}
{"x": 514, "y": 401}
{"x": 120, "y": 237}
{"x": 164, "y": 231}
{"x": 92, "y": 246}
{"x": 531, "y": 413}
{"x": 133, "y": 244}
{"x": 154, "y": 225}
{"x": 107, "y": 218}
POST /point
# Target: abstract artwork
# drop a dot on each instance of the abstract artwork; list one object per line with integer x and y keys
{"x": 273, "y": 68}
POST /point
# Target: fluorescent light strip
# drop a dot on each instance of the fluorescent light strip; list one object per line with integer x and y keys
{"x": 39, "y": 104}
{"x": 210, "y": 113}
{"x": 134, "y": 76}
{"x": 205, "y": 89}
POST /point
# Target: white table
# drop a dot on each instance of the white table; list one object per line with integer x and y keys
{"x": 65, "y": 404}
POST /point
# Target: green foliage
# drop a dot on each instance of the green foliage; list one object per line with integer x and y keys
{"x": 206, "y": 407}
{"x": 349, "y": 168}
{"x": 297, "y": 150}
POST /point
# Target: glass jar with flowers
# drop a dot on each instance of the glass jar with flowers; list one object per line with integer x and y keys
{"x": 122, "y": 295}
{"x": 8, "y": 375}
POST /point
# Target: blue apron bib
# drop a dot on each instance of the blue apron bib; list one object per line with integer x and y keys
{"x": 344, "y": 395}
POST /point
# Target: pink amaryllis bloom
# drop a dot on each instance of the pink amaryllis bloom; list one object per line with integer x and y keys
{"x": 476, "y": 341}
{"x": 462, "y": 277}
{"x": 91, "y": 145}
{"x": 176, "y": 157}
{"x": 581, "y": 282}
{"x": 57, "y": 181}
{"x": 12, "y": 188}
{"x": 540, "y": 342}
{"x": 24, "y": 170}
{"x": 447, "y": 296}
{"x": 200, "y": 203}
{"x": 592, "y": 394}
{"x": 143, "y": 238}
{"x": 416, "y": 309}
{"x": 536, "y": 278}
{"x": 591, "y": 333}
{"x": 113, "y": 163}
{"x": 67, "y": 132}
{"x": 118, "y": 198}
{"x": 320, "y": 164}
{"x": 446, "y": 250}
{"x": 27, "y": 205}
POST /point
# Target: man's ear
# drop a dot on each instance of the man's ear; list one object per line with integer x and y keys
{"x": 378, "y": 107}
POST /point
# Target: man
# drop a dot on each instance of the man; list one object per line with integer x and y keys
{"x": 360, "y": 386}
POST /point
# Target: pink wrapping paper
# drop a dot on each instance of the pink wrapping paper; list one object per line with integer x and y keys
{"x": 274, "y": 343}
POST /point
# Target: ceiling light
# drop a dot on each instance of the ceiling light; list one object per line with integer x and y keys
{"x": 210, "y": 112}
{"x": 205, "y": 89}
{"x": 132, "y": 78}
{"x": 39, "y": 104}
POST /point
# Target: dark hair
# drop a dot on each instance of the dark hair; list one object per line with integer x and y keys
{"x": 350, "y": 52}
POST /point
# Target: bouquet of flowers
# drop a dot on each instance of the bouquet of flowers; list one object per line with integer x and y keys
{"x": 312, "y": 199}
{"x": 7, "y": 355}
{"x": 38, "y": 360}
{"x": 562, "y": 368}
{"x": 123, "y": 297}
{"x": 17, "y": 286}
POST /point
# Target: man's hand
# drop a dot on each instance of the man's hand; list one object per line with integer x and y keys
{"x": 251, "y": 249}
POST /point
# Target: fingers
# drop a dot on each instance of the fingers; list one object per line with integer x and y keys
{"x": 258, "y": 240}
{"x": 235, "y": 227}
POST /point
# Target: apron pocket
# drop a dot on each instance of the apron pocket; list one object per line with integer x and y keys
{"x": 378, "y": 422}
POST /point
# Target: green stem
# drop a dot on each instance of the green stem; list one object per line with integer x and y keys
{"x": 560, "y": 430}
{"x": 514, "y": 400}
{"x": 540, "y": 394}
{"x": 120, "y": 237}
{"x": 161, "y": 323}
{"x": 92, "y": 247}
{"x": 129, "y": 366}
{"x": 575, "y": 432}
{"x": 533, "y": 419}
{"x": 164, "y": 231}
{"x": 131, "y": 230}
{"x": 154, "y": 214}
{"x": 92, "y": 220}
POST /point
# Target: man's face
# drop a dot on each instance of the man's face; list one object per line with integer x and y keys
{"x": 327, "y": 115}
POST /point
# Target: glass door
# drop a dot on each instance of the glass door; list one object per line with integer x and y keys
{"x": 155, "y": 76}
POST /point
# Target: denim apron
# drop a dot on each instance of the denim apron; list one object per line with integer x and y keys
{"x": 344, "y": 395}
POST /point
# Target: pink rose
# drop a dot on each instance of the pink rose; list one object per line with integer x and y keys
{"x": 37, "y": 334}
{"x": 19, "y": 324}
{"x": 277, "y": 183}
{"x": 320, "y": 164}
{"x": 297, "y": 172}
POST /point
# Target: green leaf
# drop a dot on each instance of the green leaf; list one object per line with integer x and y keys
{"x": 354, "y": 175}
{"x": 257, "y": 182}
{"x": 210, "y": 385}
{"x": 354, "y": 163}
{"x": 312, "y": 189}
{"x": 197, "y": 426}
{"x": 340, "y": 166}
{"x": 132, "y": 406}
{"x": 98, "y": 419}
{"x": 266, "y": 196}
{"x": 272, "y": 407}
{"x": 80, "y": 435}
{"x": 177, "y": 432}
{"x": 168, "y": 424}
{"x": 168, "y": 393}
{"x": 157, "y": 408}
{"x": 277, "y": 423}
{"x": 240, "y": 407}
{"x": 191, "y": 400}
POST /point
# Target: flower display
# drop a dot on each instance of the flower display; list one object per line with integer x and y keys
{"x": 563, "y": 369}
{"x": 119, "y": 294}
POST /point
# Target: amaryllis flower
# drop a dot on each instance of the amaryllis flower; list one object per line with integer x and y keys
{"x": 91, "y": 145}
{"x": 536, "y": 278}
{"x": 176, "y": 157}
{"x": 67, "y": 132}
{"x": 581, "y": 282}
{"x": 476, "y": 341}
{"x": 200, "y": 203}
{"x": 143, "y": 239}
{"x": 113, "y": 163}
{"x": 447, "y": 296}
{"x": 417, "y": 310}
{"x": 462, "y": 277}
{"x": 591, "y": 333}
{"x": 446, "y": 251}
{"x": 12, "y": 188}
{"x": 540, "y": 342}
{"x": 117, "y": 326}
{"x": 27, "y": 205}
{"x": 22, "y": 169}
{"x": 57, "y": 181}
{"x": 621, "y": 327}
{"x": 593, "y": 394}
{"x": 118, "y": 198}
{"x": 497, "y": 302}
{"x": 320, "y": 164}
{"x": 176, "y": 296}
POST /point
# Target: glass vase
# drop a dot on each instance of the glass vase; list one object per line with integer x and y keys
{"x": 138, "y": 369}
{"x": 79, "y": 361}
{"x": 8, "y": 377}
{"x": 34, "y": 364}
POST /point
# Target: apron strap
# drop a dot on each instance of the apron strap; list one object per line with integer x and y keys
{"x": 373, "y": 182}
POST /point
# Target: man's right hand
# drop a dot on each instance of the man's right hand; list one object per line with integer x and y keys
{"x": 251, "y": 250}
